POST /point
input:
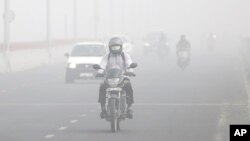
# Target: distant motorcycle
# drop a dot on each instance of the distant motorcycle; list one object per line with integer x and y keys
{"x": 183, "y": 59}
{"x": 116, "y": 106}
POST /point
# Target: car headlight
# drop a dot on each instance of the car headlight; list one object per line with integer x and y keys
{"x": 146, "y": 44}
{"x": 113, "y": 82}
{"x": 214, "y": 36}
{"x": 72, "y": 65}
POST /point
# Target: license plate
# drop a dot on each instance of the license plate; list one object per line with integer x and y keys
{"x": 86, "y": 75}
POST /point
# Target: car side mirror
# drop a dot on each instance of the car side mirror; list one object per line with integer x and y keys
{"x": 96, "y": 67}
{"x": 133, "y": 65}
{"x": 66, "y": 55}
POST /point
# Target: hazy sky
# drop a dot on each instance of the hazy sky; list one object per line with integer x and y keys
{"x": 136, "y": 17}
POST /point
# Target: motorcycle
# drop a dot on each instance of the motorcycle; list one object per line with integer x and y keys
{"x": 116, "y": 105}
{"x": 183, "y": 59}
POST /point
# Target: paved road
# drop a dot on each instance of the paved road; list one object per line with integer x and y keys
{"x": 196, "y": 104}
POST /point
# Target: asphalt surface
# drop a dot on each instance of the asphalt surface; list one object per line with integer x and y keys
{"x": 196, "y": 104}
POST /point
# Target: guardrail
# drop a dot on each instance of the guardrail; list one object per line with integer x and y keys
{"x": 35, "y": 45}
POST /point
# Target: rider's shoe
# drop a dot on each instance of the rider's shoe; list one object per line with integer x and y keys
{"x": 130, "y": 113}
{"x": 103, "y": 114}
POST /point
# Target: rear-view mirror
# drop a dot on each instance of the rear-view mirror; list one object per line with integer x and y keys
{"x": 96, "y": 67}
{"x": 133, "y": 65}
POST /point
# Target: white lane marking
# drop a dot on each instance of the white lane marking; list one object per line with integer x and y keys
{"x": 49, "y": 136}
{"x": 83, "y": 115}
{"x": 73, "y": 121}
{"x": 191, "y": 104}
{"x": 48, "y": 104}
{"x": 62, "y": 128}
{"x": 91, "y": 111}
{"x": 136, "y": 104}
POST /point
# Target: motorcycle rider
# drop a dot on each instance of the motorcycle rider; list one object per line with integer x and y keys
{"x": 183, "y": 44}
{"x": 116, "y": 58}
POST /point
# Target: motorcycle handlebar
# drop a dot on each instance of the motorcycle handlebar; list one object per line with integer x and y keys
{"x": 131, "y": 74}
{"x": 99, "y": 75}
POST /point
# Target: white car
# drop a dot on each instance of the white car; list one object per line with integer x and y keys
{"x": 81, "y": 60}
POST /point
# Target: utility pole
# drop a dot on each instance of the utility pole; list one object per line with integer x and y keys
{"x": 96, "y": 20}
{"x": 6, "y": 26}
{"x": 66, "y": 26}
{"x": 75, "y": 20}
{"x": 8, "y": 18}
{"x": 48, "y": 37}
{"x": 123, "y": 15}
{"x": 111, "y": 20}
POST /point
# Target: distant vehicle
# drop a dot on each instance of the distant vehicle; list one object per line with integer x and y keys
{"x": 183, "y": 59}
{"x": 127, "y": 43}
{"x": 156, "y": 42}
{"x": 81, "y": 60}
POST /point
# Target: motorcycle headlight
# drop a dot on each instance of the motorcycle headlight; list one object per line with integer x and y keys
{"x": 146, "y": 44}
{"x": 113, "y": 82}
{"x": 183, "y": 54}
{"x": 72, "y": 65}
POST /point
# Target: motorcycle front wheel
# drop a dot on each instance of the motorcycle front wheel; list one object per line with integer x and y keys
{"x": 113, "y": 120}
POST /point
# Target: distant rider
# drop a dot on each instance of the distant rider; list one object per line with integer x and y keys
{"x": 183, "y": 44}
{"x": 183, "y": 49}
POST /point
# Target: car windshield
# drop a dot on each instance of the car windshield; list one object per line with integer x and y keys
{"x": 88, "y": 50}
{"x": 114, "y": 73}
